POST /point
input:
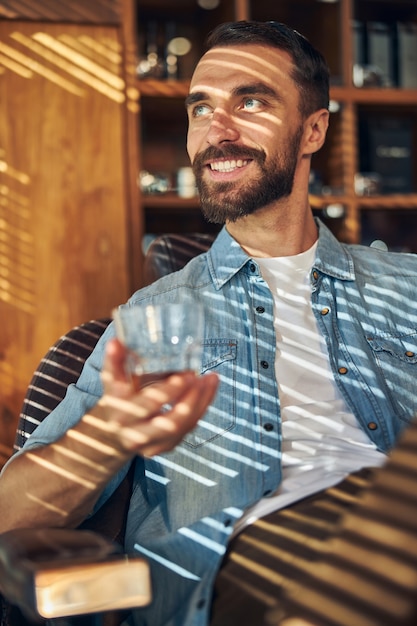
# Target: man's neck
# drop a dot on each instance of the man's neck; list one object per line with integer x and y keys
{"x": 272, "y": 233}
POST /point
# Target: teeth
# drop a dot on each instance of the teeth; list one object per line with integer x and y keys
{"x": 227, "y": 166}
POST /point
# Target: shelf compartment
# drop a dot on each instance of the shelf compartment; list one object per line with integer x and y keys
{"x": 160, "y": 21}
{"x": 396, "y": 229}
{"x": 320, "y": 22}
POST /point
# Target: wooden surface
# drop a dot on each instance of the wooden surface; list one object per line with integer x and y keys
{"x": 63, "y": 202}
{"x": 78, "y": 11}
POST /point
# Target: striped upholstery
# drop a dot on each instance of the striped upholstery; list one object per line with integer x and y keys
{"x": 343, "y": 557}
{"x": 368, "y": 573}
{"x": 60, "y": 367}
{"x": 265, "y": 559}
{"x": 169, "y": 253}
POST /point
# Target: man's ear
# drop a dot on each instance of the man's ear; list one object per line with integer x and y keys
{"x": 315, "y": 131}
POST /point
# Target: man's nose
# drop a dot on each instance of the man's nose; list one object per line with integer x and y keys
{"x": 223, "y": 127}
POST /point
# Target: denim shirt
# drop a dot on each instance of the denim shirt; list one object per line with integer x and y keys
{"x": 185, "y": 502}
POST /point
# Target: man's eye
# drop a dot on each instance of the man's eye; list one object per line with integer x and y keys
{"x": 200, "y": 109}
{"x": 252, "y": 104}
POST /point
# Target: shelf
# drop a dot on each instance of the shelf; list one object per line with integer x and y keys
{"x": 170, "y": 201}
{"x": 394, "y": 201}
{"x": 320, "y": 202}
{"x": 152, "y": 87}
{"x": 382, "y": 95}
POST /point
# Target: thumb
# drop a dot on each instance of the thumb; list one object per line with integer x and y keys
{"x": 116, "y": 380}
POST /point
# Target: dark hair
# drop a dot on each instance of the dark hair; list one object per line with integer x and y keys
{"x": 311, "y": 72}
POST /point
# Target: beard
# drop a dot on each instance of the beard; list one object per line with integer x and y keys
{"x": 229, "y": 201}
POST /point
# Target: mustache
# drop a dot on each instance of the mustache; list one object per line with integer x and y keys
{"x": 231, "y": 151}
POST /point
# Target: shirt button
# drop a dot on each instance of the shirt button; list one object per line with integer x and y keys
{"x": 342, "y": 370}
{"x": 260, "y": 309}
{"x": 315, "y": 274}
{"x": 372, "y": 426}
{"x": 268, "y": 426}
{"x": 409, "y": 353}
{"x": 252, "y": 267}
{"x": 201, "y": 604}
{"x": 227, "y": 522}
{"x": 265, "y": 364}
{"x": 325, "y": 310}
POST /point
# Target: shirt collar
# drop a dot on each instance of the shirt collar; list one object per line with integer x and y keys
{"x": 226, "y": 257}
{"x": 332, "y": 257}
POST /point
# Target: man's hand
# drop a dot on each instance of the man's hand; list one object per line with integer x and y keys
{"x": 152, "y": 419}
{"x": 58, "y": 484}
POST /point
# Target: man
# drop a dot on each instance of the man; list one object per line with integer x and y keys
{"x": 312, "y": 342}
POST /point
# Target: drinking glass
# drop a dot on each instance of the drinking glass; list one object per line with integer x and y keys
{"x": 161, "y": 339}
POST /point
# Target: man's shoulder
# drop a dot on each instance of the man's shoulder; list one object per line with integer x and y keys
{"x": 362, "y": 259}
{"x": 376, "y": 261}
{"x": 191, "y": 276}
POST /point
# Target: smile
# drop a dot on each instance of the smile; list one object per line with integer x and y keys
{"x": 228, "y": 166}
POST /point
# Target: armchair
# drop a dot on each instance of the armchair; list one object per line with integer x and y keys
{"x": 31, "y": 561}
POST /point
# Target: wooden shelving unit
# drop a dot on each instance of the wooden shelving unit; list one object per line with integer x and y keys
{"x": 329, "y": 26}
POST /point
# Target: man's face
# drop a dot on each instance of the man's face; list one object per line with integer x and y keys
{"x": 245, "y": 129}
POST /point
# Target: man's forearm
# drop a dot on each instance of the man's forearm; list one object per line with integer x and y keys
{"x": 57, "y": 485}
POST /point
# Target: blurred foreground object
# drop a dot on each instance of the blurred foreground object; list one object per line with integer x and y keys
{"x": 53, "y": 573}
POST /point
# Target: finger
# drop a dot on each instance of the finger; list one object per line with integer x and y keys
{"x": 183, "y": 417}
{"x": 149, "y": 401}
{"x": 165, "y": 430}
{"x": 195, "y": 401}
{"x": 113, "y": 375}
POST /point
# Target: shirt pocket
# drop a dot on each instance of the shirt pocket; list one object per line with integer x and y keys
{"x": 396, "y": 357}
{"x": 402, "y": 347}
{"x": 219, "y": 355}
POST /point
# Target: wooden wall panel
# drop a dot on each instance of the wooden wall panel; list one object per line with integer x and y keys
{"x": 63, "y": 215}
{"x": 76, "y": 11}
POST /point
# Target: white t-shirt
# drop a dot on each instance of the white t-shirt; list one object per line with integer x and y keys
{"x": 321, "y": 439}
